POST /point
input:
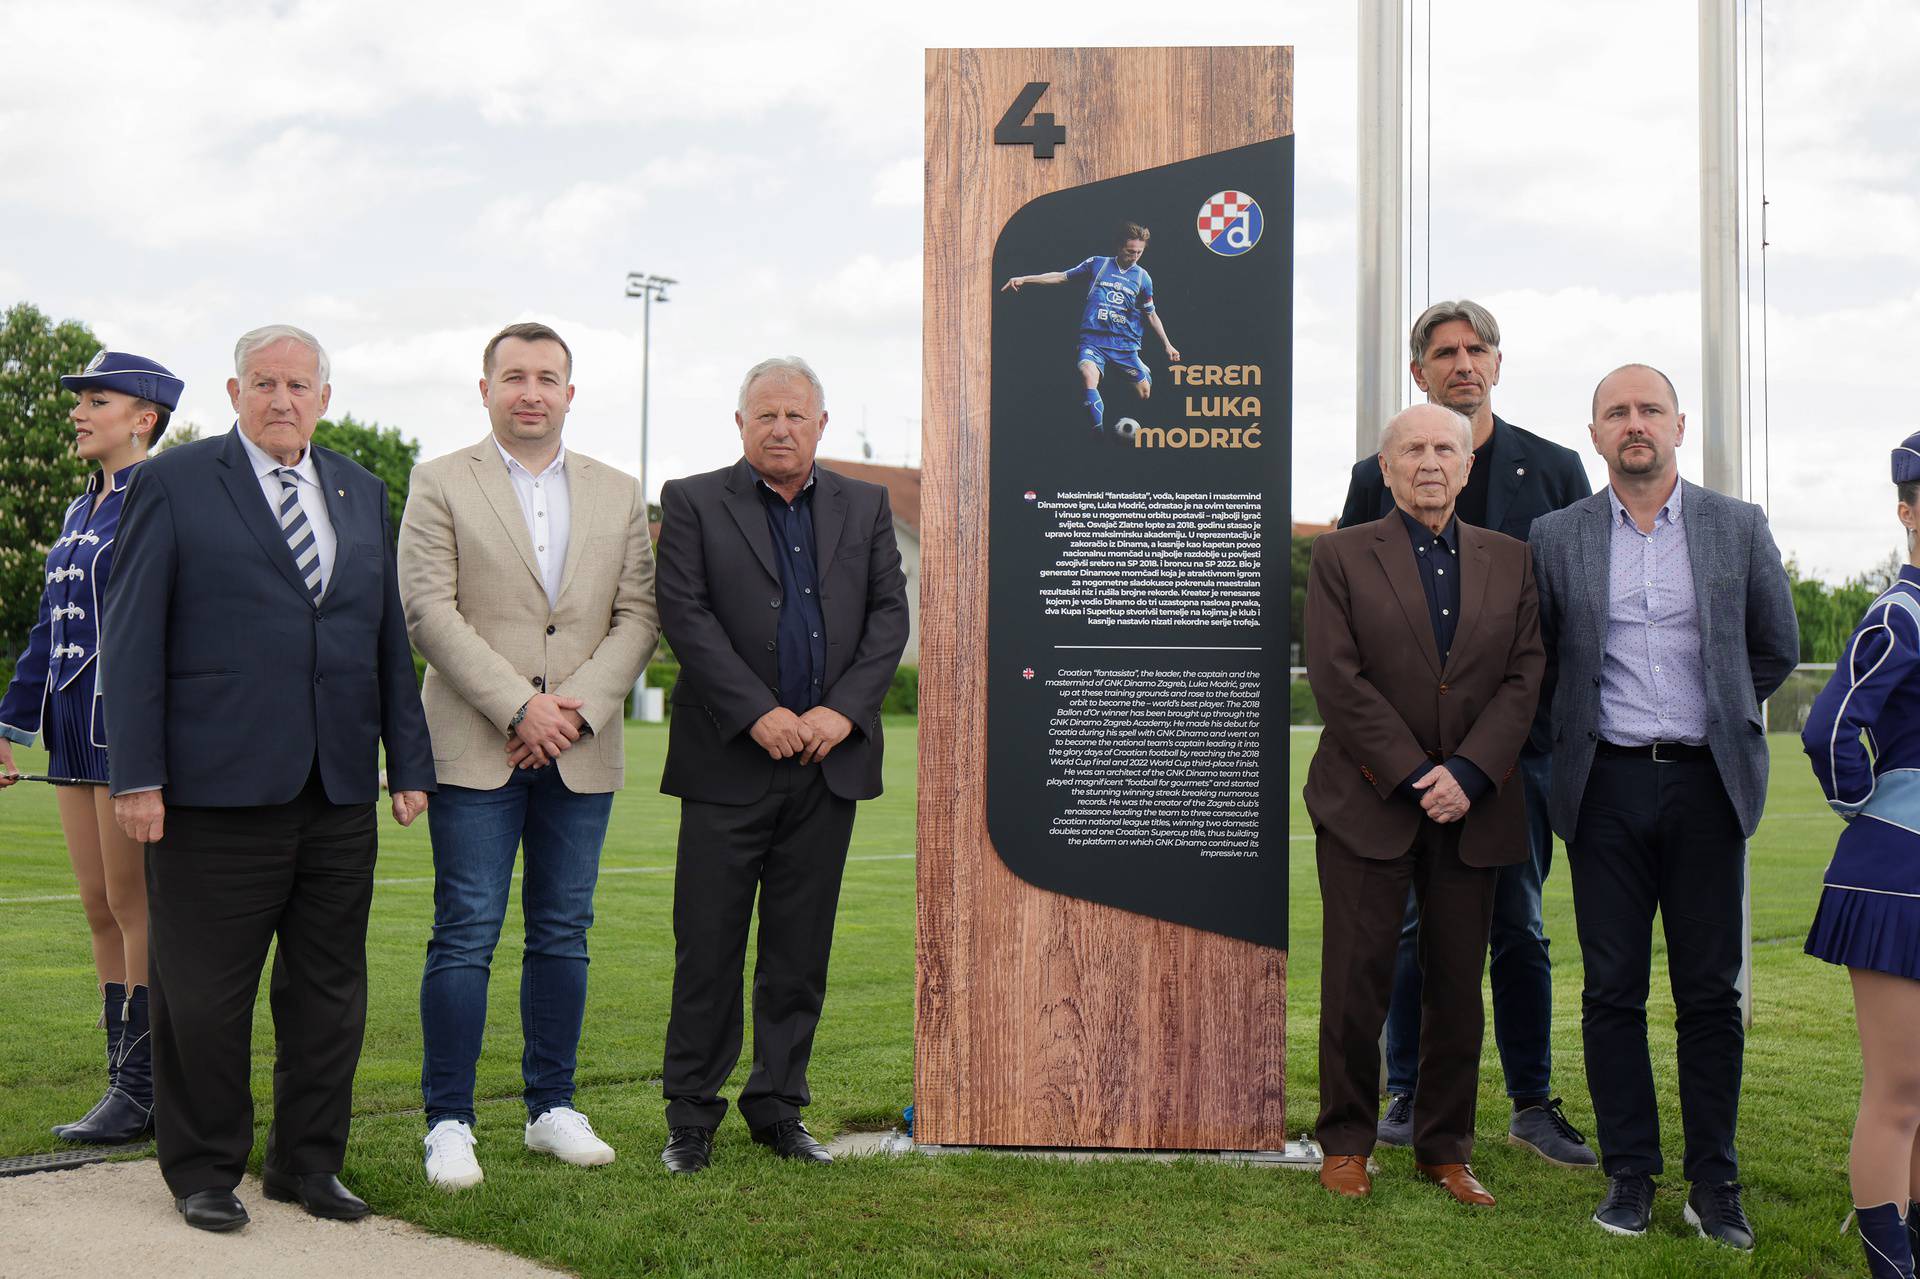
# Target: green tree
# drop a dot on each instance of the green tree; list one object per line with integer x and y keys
{"x": 1297, "y": 610}
{"x": 179, "y": 433}
{"x": 381, "y": 449}
{"x": 39, "y": 472}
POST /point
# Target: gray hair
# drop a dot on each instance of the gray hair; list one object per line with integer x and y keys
{"x": 258, "y": 339}
{"x": 1445, "y": 312}
{"x": 781, "y": 364}
{"x": 1459, "y": 419}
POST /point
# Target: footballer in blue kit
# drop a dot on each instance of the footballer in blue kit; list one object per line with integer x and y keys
{"x": 1119, "y": 307}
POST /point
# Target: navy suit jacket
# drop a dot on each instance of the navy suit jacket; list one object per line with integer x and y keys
{"x": 720, "y": 596}
{"x": 226, "y": 680}
{"x": 1531, "y": 476}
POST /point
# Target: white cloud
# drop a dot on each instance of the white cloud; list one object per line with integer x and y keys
{"x": 900, "y": 185}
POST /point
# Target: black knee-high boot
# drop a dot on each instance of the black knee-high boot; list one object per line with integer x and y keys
{"x": 113, "y": 998}
{"x": 126, "y": 1113}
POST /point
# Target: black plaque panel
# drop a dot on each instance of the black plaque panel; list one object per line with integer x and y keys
{"x": 1137, "y": 698}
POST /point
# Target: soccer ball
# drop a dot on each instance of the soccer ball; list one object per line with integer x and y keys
{"x": 1126, "y": 432}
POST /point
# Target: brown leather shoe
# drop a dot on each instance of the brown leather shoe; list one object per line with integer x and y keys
{"x": 1346, "y": 1175}
{"x": 1458, "y": 1181}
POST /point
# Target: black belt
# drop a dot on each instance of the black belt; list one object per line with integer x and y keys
{"x": 1658, "y": 752}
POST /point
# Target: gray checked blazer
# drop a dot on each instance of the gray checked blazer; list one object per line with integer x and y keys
{"x": 1748, "y": 633}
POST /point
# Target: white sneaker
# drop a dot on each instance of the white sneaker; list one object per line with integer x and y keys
{"x": 565, "y": 1134}
{"x": 450, "y": 1161}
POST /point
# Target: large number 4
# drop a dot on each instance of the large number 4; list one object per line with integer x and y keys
{"x": 1043, "y": 133}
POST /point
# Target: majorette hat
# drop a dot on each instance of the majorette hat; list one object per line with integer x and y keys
{"x": 136, "y": 375}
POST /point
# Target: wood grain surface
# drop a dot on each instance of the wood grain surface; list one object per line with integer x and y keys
{"x": 1043, "y": 1020}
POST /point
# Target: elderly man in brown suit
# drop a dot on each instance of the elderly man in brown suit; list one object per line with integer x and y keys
{"x": 527, "y": 575}
{"x": 1424, "y": 653}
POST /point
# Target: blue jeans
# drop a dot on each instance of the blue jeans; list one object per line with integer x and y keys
{"x": 475, "y": 836}
{"x": 1518, "y": 968}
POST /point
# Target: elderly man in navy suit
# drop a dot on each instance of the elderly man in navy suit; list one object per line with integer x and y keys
{"x": 256, "y": 659}
{"x": 1516, "y": 476}
{"x": 1668, "y": 621}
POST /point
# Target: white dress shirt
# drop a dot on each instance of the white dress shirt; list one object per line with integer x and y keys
{"x": 548, "y": 507}
{"x": 307, "y": 491}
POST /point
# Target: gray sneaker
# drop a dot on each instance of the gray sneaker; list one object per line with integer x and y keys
{"x": 1396, "y": 1126}
{"x": 1545, "y": 1131}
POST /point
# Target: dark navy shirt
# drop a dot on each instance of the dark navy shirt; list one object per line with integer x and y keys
{"x": 801, "y": 642}
{"x": 1438, "y": 558}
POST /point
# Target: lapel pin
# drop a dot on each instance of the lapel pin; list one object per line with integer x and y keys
{"x": 343, "y": 492}
{"x": 1519, "y": 470}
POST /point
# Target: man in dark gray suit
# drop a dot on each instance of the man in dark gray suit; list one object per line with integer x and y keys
{"x": 781, "y": 592}
{"x": 1668, "y": 621}
{"x": 1516, "y": 477}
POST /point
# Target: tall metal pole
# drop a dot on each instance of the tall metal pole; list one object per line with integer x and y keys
{"x": 646, "y": 287}
{"x": 646, "y": 382}
{"x": 1722, "y": 319}
{"x": 1381, "y": 374}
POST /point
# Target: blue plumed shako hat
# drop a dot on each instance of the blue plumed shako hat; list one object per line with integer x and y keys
{"x": 135, "y": 375}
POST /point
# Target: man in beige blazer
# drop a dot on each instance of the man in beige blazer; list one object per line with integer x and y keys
{"x": 527, "y": 575}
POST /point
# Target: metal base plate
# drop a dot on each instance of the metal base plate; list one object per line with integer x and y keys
{"x": 78, "y": 1157}
{"x": 1301, "y": 1153}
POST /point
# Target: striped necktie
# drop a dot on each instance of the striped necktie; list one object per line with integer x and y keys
{"x": 299, "y": 533}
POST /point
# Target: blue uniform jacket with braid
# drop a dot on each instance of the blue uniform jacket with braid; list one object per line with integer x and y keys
{"x": 65, "y": 642}
{"x": 1874, "y": 783}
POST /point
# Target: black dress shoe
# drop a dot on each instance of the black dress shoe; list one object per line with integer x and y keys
{"x": 689, "y": 1149}
{"x": 320, "y": 1193}
{"x": 213, "y": 1210}
{"x": 791, "y": 1140}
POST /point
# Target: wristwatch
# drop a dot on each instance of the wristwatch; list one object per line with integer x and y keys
{"x": 518, "y": 716}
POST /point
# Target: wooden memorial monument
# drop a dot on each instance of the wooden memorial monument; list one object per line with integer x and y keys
{"x": 1104, "y": 650}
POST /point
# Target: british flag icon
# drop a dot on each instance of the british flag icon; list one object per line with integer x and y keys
{"x": 1027, "y": 673}
{"x": 1230, "y": 223}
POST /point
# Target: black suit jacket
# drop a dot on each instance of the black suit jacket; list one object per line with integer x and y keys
{"x": 1531, "y": 476}
{"x": 719, "y": 594}
{"x": 224, "y": 679}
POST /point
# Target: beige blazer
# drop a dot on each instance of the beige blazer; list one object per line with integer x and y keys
{"x": 478, "y": 613}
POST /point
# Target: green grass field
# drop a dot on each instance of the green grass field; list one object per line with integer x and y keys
{"x": 753, "y": 1215}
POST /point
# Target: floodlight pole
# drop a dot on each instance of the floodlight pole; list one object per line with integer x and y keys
{"x": 1722, "y": 319}
{"x": 647, "y": 288}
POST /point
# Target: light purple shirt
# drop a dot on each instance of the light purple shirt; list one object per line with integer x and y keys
{"x": 1653, "y": 685}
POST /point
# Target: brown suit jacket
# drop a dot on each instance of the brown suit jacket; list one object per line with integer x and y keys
{"x": 1389, "y": 705}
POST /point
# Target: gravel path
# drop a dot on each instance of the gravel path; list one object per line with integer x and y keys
{"x": 91, "y": 1221}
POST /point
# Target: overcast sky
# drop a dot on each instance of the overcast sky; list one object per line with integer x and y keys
{"x": 404, "y": 178}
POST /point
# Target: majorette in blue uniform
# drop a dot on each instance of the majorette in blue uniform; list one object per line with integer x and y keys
{"x": 56, "y": 683}
{"x": 1869, "y": 913}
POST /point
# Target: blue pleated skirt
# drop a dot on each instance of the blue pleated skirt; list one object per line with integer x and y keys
{"x": 69, "y": 734}
{"x": 1878, "y": 931}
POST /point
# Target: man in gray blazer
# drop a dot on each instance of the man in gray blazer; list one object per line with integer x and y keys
{"x": 1668, "y": 621}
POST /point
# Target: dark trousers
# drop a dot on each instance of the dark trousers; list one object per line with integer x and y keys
{"x": 476, "y": 835}
{"x": 1362, "y": 902}
{"x": 222, "y": 885}
{"x": 1660, "y": 837}
{"x": 1519, "y": 970}
{"x": 789, "y": 846}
